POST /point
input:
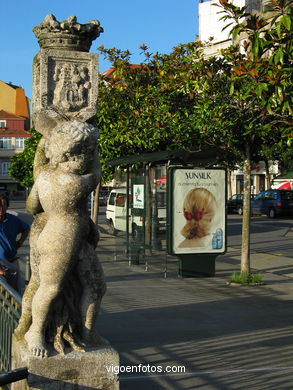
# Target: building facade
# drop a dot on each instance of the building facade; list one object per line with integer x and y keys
{"x": 210, "y": 26}
{"x": 14, "y": 123}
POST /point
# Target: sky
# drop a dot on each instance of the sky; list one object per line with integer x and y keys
{"x": 159, "y": 24}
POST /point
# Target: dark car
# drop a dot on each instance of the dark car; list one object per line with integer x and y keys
{"x": 235, "y": 204}
{"x": 103, "y": 196}
{"x": 273, "y": 203}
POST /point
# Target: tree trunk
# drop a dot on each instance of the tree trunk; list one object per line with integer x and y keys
{"x": 229, "y": 183}
{"x": 95, "y": 211}
{"x": 268, "y": 176}
{"x": 148, "y": 208}
{"x": 245, "y": 250}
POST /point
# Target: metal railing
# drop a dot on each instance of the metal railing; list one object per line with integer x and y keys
{"x": 10, "y": 310}
{"x": 9, "y": 377}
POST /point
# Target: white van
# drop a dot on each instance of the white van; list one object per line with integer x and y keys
{"x": 116, "y": 212}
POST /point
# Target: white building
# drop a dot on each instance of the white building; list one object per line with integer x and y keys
{"x": 210, "y": 25}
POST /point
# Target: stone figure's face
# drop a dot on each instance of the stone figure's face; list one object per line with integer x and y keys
{"x": 70, "y": 155}
{"x": 77, "y": 163}
{"x": 72, "y": 147}
{"x": 78, "y": 159}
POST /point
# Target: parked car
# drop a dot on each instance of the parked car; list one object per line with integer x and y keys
{"x": 116, "y": 212}
{"x": 273, "y": 203}
{"x": 235, "y": 204}
{"x": 103, "y": 196}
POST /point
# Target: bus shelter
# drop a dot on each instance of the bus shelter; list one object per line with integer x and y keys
{"x": 150, "y": 204}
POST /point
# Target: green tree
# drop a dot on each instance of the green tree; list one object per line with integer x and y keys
{"x": 141, "y": 108}
{"x": 256, "y": 111}
{"x": 21, "y": 168}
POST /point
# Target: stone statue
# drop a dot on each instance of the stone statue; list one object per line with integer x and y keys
{"x": 63, "y": 238}
{"x": 62, "y": 301}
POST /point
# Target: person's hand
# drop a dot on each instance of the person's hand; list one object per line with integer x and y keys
{"x": 2, "y": 270}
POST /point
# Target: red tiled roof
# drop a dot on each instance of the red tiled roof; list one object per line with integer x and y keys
{"x": 10, "y": 115}
{"x": 109, "y": 72}
{"x": 14, "y": 133}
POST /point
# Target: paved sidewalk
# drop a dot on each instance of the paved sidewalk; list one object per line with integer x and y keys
{"x": 225, "y": 337}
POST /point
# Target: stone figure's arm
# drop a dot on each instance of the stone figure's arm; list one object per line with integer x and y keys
{"x": 40, "y": 158}
{"x": 33, "y": 204}
{"x": 93, "y": 175}
{"x": 93, "y": 236}
{"x": 45, "y": 121}
{"x": 95, "y": 168}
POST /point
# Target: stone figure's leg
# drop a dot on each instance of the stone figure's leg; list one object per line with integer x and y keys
{"x": 94, "y": 287}
{"x": 58, "y": 248}
{"x": 25, "y": 319}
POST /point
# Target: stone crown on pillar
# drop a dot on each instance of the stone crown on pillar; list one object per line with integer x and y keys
{"x": 67, "y": 35}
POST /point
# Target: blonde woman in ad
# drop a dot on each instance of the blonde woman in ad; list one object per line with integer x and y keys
{"x": 199, "y": 209}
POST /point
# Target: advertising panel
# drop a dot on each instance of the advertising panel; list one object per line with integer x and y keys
{"x": 138, "y": 196}
{"x": 198, "y": 211}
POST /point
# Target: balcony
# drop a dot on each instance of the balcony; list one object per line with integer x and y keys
{"x": 8, "y": 152}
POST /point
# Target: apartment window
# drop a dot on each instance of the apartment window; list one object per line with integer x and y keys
{"x": 2, "y": 123}
{"x": 5, "y": 166}
{"x": 19, "y": 142}
{"x": 6, "y": 143}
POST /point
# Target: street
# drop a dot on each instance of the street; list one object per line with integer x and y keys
{"x": 273, "y": 236}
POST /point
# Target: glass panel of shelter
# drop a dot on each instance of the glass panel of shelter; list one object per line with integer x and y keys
{"x": 146, "y": 230}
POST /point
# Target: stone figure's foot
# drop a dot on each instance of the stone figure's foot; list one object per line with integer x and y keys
{"x": 73, "y": 343}
{"x": 92, "y": 339}
{"x": 36, "y": 344}
{"x": 58, "y": 344}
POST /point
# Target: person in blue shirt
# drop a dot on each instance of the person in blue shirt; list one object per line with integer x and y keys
{"x": 10, "y": 228}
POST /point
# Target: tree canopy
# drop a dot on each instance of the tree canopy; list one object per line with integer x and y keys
{"x": 141, "y": 109}
{"x": 183, "y": 100}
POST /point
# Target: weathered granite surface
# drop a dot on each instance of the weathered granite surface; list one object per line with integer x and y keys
{"x": 76, "y": 369}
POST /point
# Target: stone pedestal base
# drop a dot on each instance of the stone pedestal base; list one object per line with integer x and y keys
{"x": 79, "y": 370}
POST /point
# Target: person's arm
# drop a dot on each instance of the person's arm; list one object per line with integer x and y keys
{"x": 2, "y": 270}
{"x": 22, "y": 238}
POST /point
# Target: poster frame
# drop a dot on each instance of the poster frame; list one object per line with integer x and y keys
{"x": 171, "y": 171}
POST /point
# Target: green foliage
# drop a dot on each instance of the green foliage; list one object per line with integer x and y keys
{"x": 21, "y": 168}
{"x": 240, "y": 101}
{"x": 266, "y": 62}
{"x": 144, "y": 108}
{"x": 246, "y": 278}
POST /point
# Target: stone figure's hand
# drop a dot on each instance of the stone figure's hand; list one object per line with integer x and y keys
{"x": 40, "y": 158}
